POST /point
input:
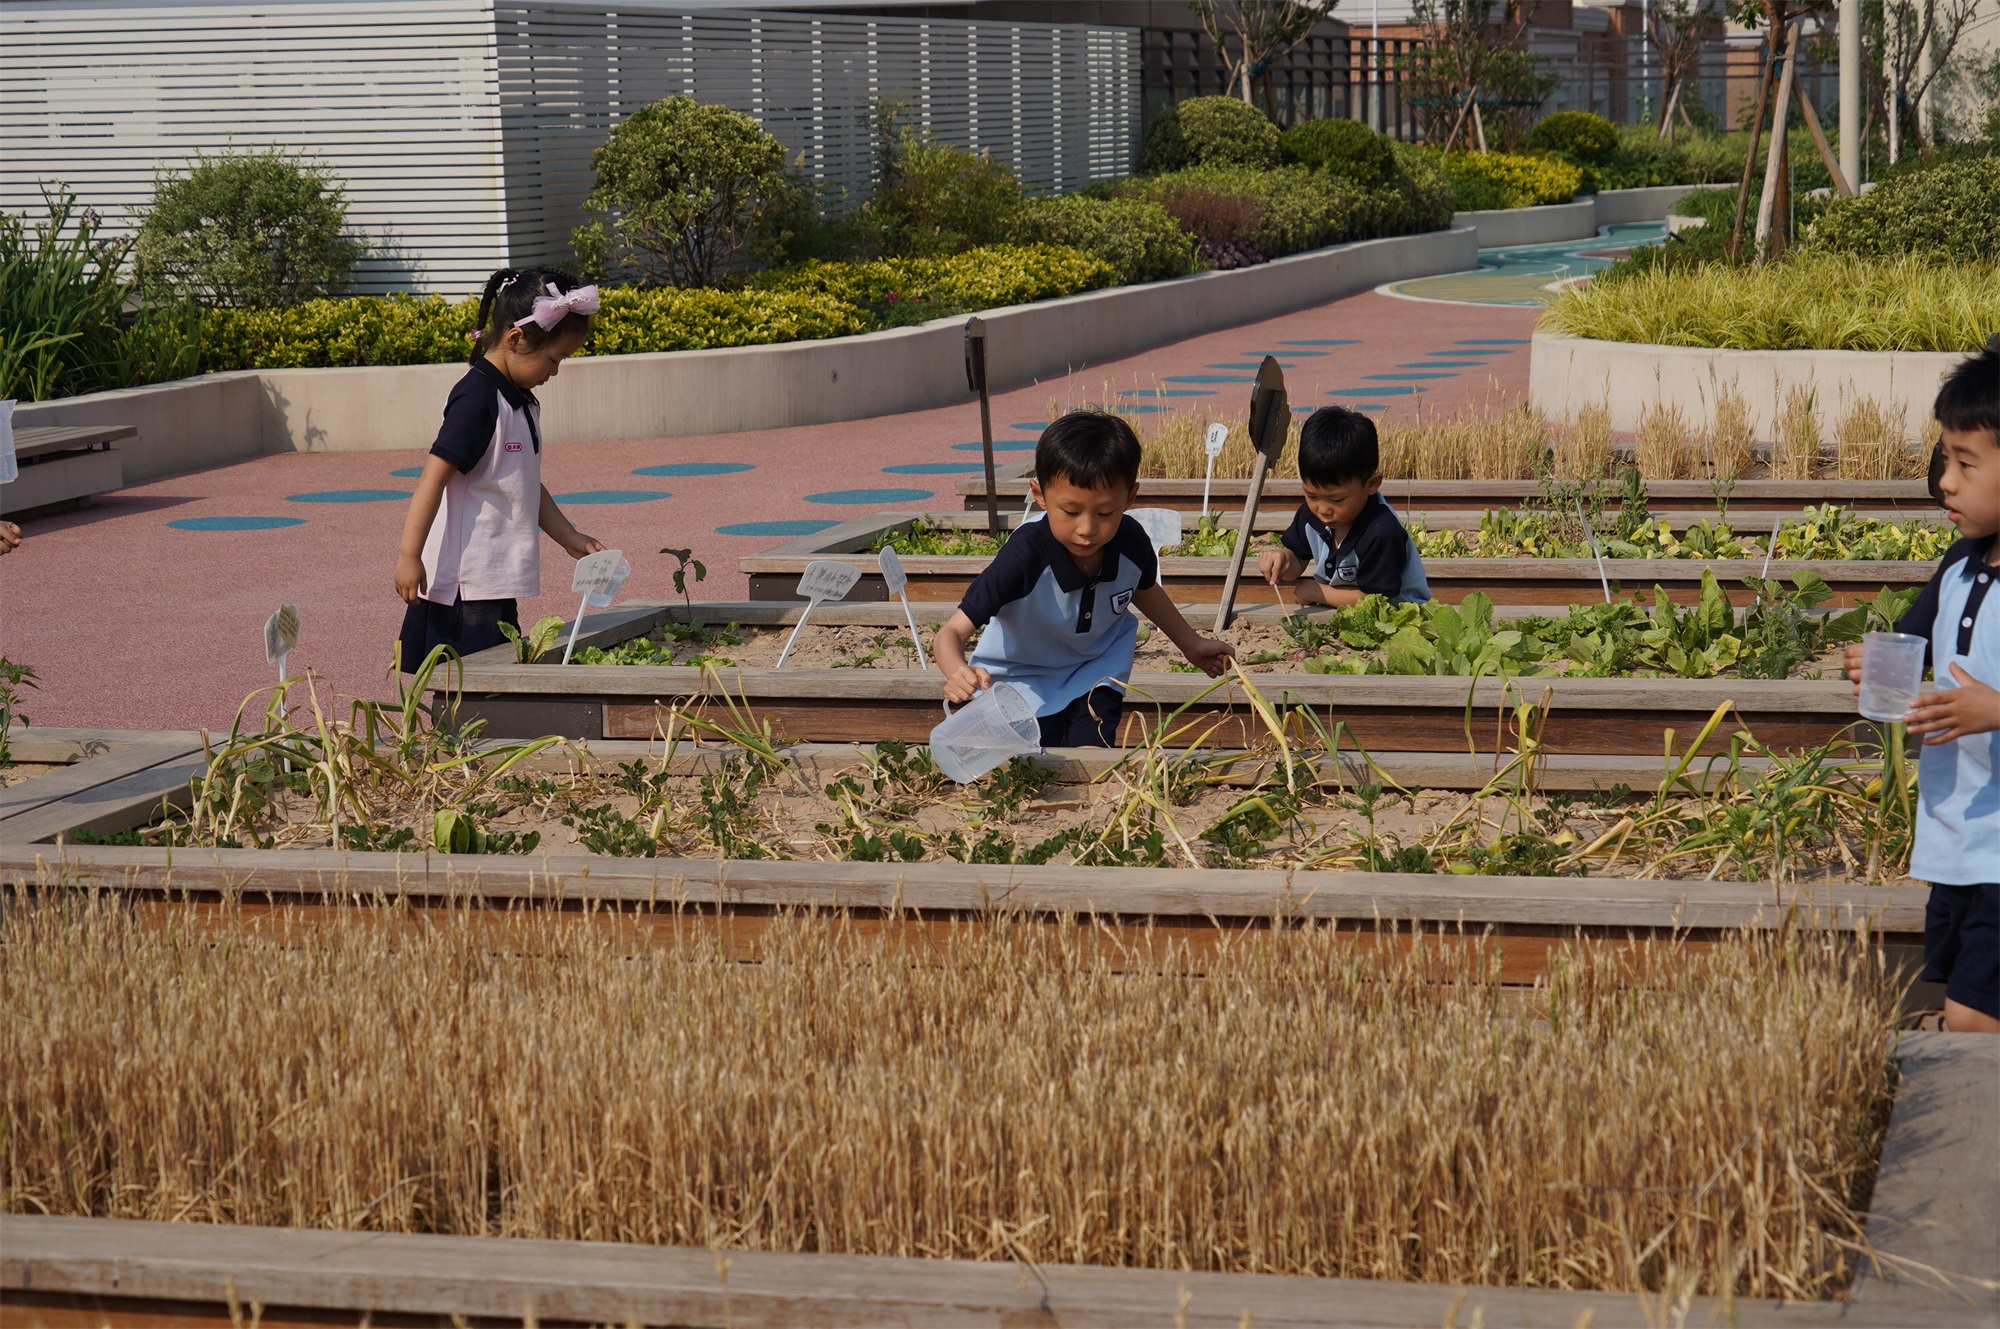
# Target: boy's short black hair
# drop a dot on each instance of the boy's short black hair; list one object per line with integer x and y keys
{"x": 1968, "y": 403}
{"x": 1090, "y": 449}
{"x": 1338, "y": 445}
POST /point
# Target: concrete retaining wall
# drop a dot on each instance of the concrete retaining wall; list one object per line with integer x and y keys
{"x": 1566, "y": 374}
{"x": 226, "y": 417}
{"x": 1531, "y": 226}
{"x": 1621, "y": 207}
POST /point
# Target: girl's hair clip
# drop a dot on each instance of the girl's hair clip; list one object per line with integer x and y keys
{"x": 512, "y": 277}
{"x": 554, "y": 307}
{"x": 473, "y": 336}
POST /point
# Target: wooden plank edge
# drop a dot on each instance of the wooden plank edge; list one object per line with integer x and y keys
{"x": 78, "y": 779}
{"x": 1447, "y": 900}
{"x": 109, "y": 1260}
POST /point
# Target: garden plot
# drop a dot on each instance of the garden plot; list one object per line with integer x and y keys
{"x": 1519, "y": 580}
{"x": 1017, "y": 1097}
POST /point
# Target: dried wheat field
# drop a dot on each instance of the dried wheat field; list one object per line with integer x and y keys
{"x": 1306, "y": 1104}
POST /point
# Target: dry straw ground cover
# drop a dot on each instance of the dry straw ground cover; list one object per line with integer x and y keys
{"x": 1308, "y": 1105}
{"x": 1491, "y": 442}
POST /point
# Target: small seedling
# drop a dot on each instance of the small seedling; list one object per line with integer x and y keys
{"x": 686, "y": 562}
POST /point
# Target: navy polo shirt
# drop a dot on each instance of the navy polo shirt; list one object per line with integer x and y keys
{"x": 1958, "y": 783}
{"x": 1377, "y": 557}
{"x": 472, "y": 415}
{"x": 1053, "y": 630}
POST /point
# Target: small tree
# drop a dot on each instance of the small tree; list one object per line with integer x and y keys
{"x": 254, "y": 230}
{"x": 1677, "y": 28}
{"x": 688, "y": 189}
{"x": 1264, "y": 30}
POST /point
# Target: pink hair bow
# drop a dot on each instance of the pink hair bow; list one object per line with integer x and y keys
{"x": 554, "y": 307}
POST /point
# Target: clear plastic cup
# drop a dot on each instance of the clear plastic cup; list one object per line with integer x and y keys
{"x": 1892, "y": 673}
{"x": 997, "y": 724}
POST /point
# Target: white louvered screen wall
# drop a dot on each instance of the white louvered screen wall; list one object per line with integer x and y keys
{"x": 463, "y": 128}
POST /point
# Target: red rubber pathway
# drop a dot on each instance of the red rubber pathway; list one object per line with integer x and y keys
{"x": 147, "y": 610}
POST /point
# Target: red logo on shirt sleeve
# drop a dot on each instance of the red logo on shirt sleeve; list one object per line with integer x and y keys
{"x": 513, "y": 446}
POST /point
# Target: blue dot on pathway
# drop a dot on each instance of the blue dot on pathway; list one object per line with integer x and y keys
{"x": 1404, "y": 391}
{"x": 350, "y": 496}
{"x": 1398, "y": 378}
{"x": 1285, "y": 355}
{"x": 857, "y": 497}
{"x": 934, "y": 468}
{"x": 1492, "y": 341}
{"x": 235, "y": 523}
{"x": 1135, "y": 408}
{"x": 696, "y": 468}
{"x": 1443, "y": 364}
{"x": 1459, "y": 355}
{"x": 775, "y": 527}
{"x": 408, "y": 473}
{"x": 1033, "y": 426}
{"x": 999, "y": 445}
{"x": 607, "y": 496}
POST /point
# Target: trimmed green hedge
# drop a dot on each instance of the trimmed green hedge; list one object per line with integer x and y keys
{"x": 1138, "y": 239}
{"x": 1509, "y": 180}
{"x": 801, "y": 303}
{"x": 1346, "y": 148}
{"x": 1209, "y": 131}
{"x": 1303, "y": 209}
{"x": 1948, "y": 211}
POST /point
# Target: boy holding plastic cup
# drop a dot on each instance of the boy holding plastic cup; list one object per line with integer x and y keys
{"x": 1056, "y": 601}
{"x": 1958, "y": 780}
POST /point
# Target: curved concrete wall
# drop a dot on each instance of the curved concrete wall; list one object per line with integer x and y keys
{"x": 1579, "y": 220}
{"x": 224, "y": 417}
{"x": 1566, "y": 374}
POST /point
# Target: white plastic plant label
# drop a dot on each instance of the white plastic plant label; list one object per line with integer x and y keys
{"x": 828, "y": 579}
{"x": 893, "y": 575}
{"x": 598, "y": 576}
{"x": 281, "y": 633}
{"x": 1163, "y": 525}
{"x": 1218, "y": 436}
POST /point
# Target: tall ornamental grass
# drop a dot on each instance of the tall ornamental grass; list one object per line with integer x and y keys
{"x": 1813, "y": 302}
{"x": 1292, "y": 1102}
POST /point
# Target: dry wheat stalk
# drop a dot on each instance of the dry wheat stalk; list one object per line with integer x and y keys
{"x": 1662, "y": 447}
{"x": 1583, "y": 444}
{"x": 1795, "y": 452}
{"x": 1870, "y": 442}
{"x": 1729, "y": 439}
{"x": 1306, "y": 1104}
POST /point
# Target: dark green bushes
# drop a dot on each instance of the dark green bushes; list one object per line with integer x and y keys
{"x": 1950, "y": 211}
{"x": 1138, "y": 238}
{"x": 246, "y": 231}
{"x": 1209, "y": 131}
{"x": 1582, "y": 136}
{"x": 1346, "y": 148}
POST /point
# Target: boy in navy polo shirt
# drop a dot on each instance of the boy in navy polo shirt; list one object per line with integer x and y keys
{"x": 1958, "y": 778}
{"x": 1056, "y": 602}
{"x": 1344, "y": 529}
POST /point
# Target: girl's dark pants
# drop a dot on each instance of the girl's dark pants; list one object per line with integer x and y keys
{"x": 467, "y": 627}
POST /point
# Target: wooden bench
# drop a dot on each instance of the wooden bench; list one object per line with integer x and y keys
{"x": 63, "y": 466}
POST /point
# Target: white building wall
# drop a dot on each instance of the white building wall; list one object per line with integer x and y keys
{"x": 463, "y": 128}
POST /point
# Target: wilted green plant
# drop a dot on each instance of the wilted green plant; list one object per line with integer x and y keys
{"x": 13, "y": 677}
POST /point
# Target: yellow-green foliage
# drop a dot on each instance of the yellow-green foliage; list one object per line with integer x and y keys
{"x": 1510, "y": 180}
{"x": 1828, "y": 302}
{"x": 979, "y": 279}
{"x": 794, "y": 304}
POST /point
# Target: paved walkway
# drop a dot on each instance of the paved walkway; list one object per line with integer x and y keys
{"x": 147, "y": 610}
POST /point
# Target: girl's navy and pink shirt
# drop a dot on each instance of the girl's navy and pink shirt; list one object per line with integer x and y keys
{"x": 1958, "y": 783}
{"x": 1051, "y": 629}
{"x": 484, "y": 543}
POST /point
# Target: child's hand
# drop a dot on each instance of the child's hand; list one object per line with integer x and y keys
{"x": 1212, "y": 657}
{"x": 1273, "y": 564}
{"x": 1309, "y": 593}
{"x": 580, "y": 544}
{"x": 1949, "y": 714}
{"x": 960, "y": 687}
{"x": 409, "y": 578}
{"x": 1852, "y": 664}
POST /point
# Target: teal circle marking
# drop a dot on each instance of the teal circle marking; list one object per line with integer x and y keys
{"x": 1406, "y": 391}
{"x": 603, "y": 497}
{"x": 776, "y": 527}
{"x": 235, "y": 523}
{"x": 350, "y": 496}
{"x": 856, "y": 497}
{"x": 1211, "y": 378}
{"x": 1398, "y": 378}
{"x": 1032, "y": 426}
{"x": 1287, "y": 355}
{"x": 1443, "y": 364}
{"x": 934, "y": 468}
{"x": 1492, "y": 341}
{"x": 408, "y": 473}
{"x": 1136, "y": 408}
{"x": 696, "y": 468}
{"x": 999, "y": 445}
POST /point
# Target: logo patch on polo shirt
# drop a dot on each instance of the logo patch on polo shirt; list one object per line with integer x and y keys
{"x": 1120, "y": 601}
{"x": 513, "y": 445}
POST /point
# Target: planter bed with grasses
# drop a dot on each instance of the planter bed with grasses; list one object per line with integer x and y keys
{"x": 1690, "y": 1095}
{"x": 774, "y": 573}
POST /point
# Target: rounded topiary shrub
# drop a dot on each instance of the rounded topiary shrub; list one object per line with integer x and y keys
{"x": 1209, "y": 131}
{"x": 1583, "y": 135}
{"x": 1346, "y": 148}
{"x": 1945, "y": 211}
{"x": 1137, "y": 237}
{"x": 248, "y": 230}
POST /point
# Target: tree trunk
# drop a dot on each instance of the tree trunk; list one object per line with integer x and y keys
{"x": 1750, "y": 158}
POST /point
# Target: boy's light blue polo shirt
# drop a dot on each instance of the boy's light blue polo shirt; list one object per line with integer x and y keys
{"x": 1053, "y": 630}
{"x": 1958, "y": 806}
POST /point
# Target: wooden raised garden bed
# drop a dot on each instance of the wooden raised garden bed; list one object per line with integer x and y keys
{"x": 1883, "y": 498}
{"x": 774, "y": 573}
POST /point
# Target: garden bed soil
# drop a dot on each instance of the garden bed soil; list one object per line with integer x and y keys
{"x": 774, "y": 573}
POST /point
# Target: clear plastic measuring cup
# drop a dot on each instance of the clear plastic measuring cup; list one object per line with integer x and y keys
{"x": 997, "y": 724}
{"x": 1892, "y": 673}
